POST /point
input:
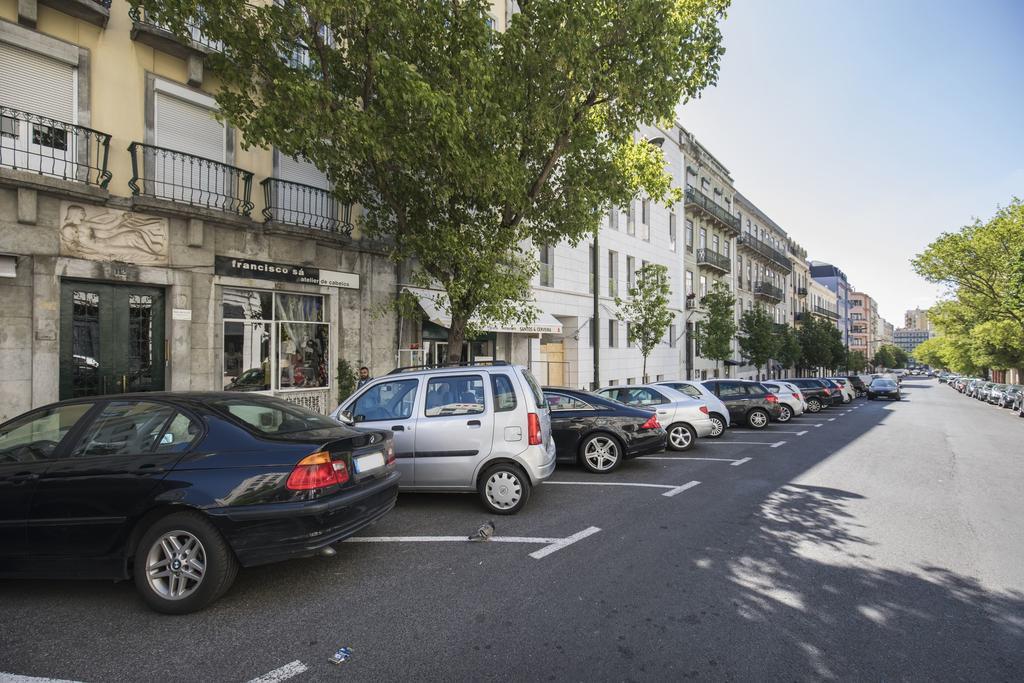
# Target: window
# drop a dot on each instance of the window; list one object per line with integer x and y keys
{"x": 613, "y": 273}
{"x": 386, "y": 401}
{"x": 725, "y": 246}
{"x": 645, "y": 220}
{"x": 689, "y": 282}
{"x": 504, "y": 394}
{"x": 630, "y": 272}
{"x": 613, "y": 333}
{"x": 560, "y": 402}
{"x": 703, "y": 286}
{"x": 629, "y": 336}
{"x": 689, "y": 235}
{"x": 728, "y": 390}
{"x": 703, "y": 238}
{"x": 613, "y": 218}
{"x": 36, "y": 436}
{"x": 714, "y": 244}
{"x": 547, "y": 266}
{"x": 642, "y": 396}
{"x": 630, "y": 380}
{"x": 179, "y": 435}
{"x": 264, "y": 330}
{"x": 689, "y": 390}
{"x": 630, "y": 219}
{"x": 273, "y": 415}
{"x": 125, "y": 428}
{"x": 672, "y": 336}
{"x": 457, "y": 395}
{"x": 672, "y": 231}
{"x": 590, "y": 267}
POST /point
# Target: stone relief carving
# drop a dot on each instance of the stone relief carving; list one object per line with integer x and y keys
{"x": 103, "y": 234}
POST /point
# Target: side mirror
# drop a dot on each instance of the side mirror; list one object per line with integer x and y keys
{"x": 346, "y": 416}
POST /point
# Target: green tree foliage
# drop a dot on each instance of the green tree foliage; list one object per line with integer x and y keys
{"x": 931, "y": 352}
{"x": 757, "y": 337}
{"x": 789, "y": 352}
{"x": 346, "y": 380}
{"x": 836, "y": 348}
{"x": 647, "y": 309}
{"x": 815, "y": 343}
{"x": 856, "y": 361}
{"x": 890, "y": 356}
{"x": 715, "y": 333}
{"x": 462, "y": 143}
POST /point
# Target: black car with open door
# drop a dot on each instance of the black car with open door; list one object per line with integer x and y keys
{"x": 599, "y": 433}
{"x": 179, "y": 490}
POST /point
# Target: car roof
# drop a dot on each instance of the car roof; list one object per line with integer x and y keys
{"x": 451, "y": 369}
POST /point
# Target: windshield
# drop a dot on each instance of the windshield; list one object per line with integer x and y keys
{"x": 883, "y": 384}
{"x": 273, "y": 416}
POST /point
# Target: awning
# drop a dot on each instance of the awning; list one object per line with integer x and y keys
{"x": 545, "y": 323}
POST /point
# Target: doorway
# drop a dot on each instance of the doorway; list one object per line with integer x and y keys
{"x": 111, "y": 339}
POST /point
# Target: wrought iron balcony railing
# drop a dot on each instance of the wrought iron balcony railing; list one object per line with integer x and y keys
{"x": 691, "y": 303}
{"x": 695, "y": 197}
{"x": 767, "y": 251}
{"x": 168, "y": 174}
{"x": 194, "y": 29}
{"x": 769, "y": 291}
{"x": 29, "y": 142}
{"x": 826, "y": 312}
{"x": 712, "y": 259}
{"x": 801, "y": 291}
{"x": 305, "y": 205}
{"x": 801, "y": 316}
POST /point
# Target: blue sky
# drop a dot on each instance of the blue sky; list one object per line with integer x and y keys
{"x": 867, "y": 128}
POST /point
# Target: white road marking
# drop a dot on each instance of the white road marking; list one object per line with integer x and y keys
{"x": 563, "y": 542}
{"x": 282, "y": 674}
{"x": 679, "y": 489}
{"x": 831, "y": 419}
{"x": 801, "y": 433}
{"x": 15, "y": 678}
{"x": 779, "y": 431}
{"x": 680, "y": 457}
{"x": 719, "y": 442}
{"x": 740, "y": 462}
{"x": 777, "y": 444}
{"x": 819, "y": 425}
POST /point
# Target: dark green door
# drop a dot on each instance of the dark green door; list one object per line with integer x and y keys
{"x": 111, "y": 339}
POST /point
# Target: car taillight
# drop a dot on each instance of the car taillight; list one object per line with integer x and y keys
{"x": 704, "y": 409}
{"x": 771, "y": 398}
{"x": 391, "y": 452}
{"x": 316, "y": 472}
{"x": 533, "y": 428}
{"x": 828, "y": 392}
{"x": 797, "y": 397}
{"x": 652, "y": 423}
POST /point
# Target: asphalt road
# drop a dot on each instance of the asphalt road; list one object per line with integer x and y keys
{"x": 885, "y": 544}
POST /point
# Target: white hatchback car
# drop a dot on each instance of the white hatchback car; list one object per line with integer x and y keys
{"x": 684, "y": 418}
{"x": 849, "y": 393}
{"x": 790, "y": 396}
{"x": 717, "y": 412}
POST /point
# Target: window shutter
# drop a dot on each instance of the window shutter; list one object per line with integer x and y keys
{"x": 190, "y": 128}
{"x": 302, "y": 171}
{"x": 37, "y": 84}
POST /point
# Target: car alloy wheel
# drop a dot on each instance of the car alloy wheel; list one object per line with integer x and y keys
{"x": 785, "y": 414}
{"x": 681, "y": 437}
{"x": 757, "y": 419}
{"x": 813, "y": 405}
{"x": 176, "y": 565}
{"x": 601, "y": 453}
{"x": 717, "y": 426}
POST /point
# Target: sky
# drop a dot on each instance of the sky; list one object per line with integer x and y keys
{"x": 865, "y": 129}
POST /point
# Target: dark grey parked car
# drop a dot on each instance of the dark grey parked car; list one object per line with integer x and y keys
{"x": 749, "y": 403}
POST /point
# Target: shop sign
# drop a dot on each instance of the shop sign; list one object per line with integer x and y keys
{"x": 283, "y": 272}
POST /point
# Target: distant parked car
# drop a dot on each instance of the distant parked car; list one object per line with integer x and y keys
{"x": 1011, "y": 395}
{"x": 982, "y": 391}
{"x": 858, "y": 384}
{"x": 717, "y": 412}
{"x": 179, "y": 490}
{"x": 816, "y": 393}
{"x": 789, "y": 396}
{"x": 836, "y": 394}
{"x": 599, "y": 433}
{"x": 478, "y": 427}
{"x": 883, "y": 388}
{"x": 749, "y": 403}
{"x": 995, "y": 393}
{"x": 848, "y": 392}
{"x": 685, "y": 419}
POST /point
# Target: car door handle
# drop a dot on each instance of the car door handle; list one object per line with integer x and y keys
{"x": 473, "y": 423}
{"x": 24, "y": 476}
{"x": 577, "y": 420}
{"x": 398, "y": 428}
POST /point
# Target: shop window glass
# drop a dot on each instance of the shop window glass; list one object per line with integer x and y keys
{"x": 299, "y": 307}
{"x": 303, "y": 355}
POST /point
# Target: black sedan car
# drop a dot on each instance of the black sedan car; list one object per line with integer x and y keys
{"x": 599, "y": 433}
{"x": 178, "y": 490}
{"x": 883, "y": 388}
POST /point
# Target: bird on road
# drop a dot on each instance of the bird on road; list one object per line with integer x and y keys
{"x": 484, "y": 533}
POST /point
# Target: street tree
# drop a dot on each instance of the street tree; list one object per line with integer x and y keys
{"x": 647, "y": 309}
{"x": 899, "y": 356}
{"x": 815, "y": 343}
{"x": 789, "y": 352}
{"x": 715, "y": 333}
{"x": 884, "y": 357}
{"x": 856, "y": 361}
{"x": 836, "y": 348}
{"x": 462, "y": 143}
{"x": 757, "y": 337}
{"x": 931, "y": 352}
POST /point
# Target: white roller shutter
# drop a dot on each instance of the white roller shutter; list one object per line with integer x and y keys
{"x": 189, "y": 128}
{"x": 37, "y": 84}
{"x": 302, "y": 171}
{"x": 300, "y": 206}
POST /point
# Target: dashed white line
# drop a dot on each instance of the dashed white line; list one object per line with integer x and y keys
{"x": 282, "y": 674}
{"x": 563, "y": 542}
{"x": 719, "y": 442}
{"x": 777, "y": 444}
{"x": 740, "y": 462}
{"x": 15, "y": 678}
{"x": 611, "y": 483}
{"x": 801, "y": 433}
{"x": 551, "y": 544}
{"x": 679, "y": 489}
{"x": 819, "y": 425}
{"x": 682, "y": 457}
{"x": 831, "y": 419}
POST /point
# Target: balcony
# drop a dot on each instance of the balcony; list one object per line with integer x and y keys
{"x": 766, "y": 251}
{"x": 150, "y": 32}
{"x": 695, "y": 197}
{"x": 179, "y": 177}
{"x": 289, "y": 203}
{"x": 36, "y": 144}
{"x": 709, "y": 258}
{"x": 801, "y": 316}
{"x": 767, "y": 290}
{"x": 691, "y": 302}
{"x": 801, "y": 291}
{"x": 826, "y": 313}
{"x": 94, "y": 11}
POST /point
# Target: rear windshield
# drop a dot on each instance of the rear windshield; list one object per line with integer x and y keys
{"x": 273, "y": 416}
{"x": 538, "y": 395}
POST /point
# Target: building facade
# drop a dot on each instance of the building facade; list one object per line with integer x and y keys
{"x": 799, "y": 284}
{"x": 909, "y": 339}
{"x": 152, "y": 250}
{"x": 835, "y": 279}
{"x": 916, "y": 319}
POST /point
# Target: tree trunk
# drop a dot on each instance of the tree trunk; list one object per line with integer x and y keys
{"x": 644, "y": 375}
{"x": 456, "y": 337}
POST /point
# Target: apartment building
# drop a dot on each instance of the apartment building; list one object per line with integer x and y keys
{"x": 868, "y": 319}
{"x": 909, "y": 338}
{"x": 152, "y": 250}
{"x": 822, "y": 302}
{"x": 799, "y": 283}
{"x": 835, "y": 279}
{"x": 917, "y": 319}
{"x": 859, "y": 325}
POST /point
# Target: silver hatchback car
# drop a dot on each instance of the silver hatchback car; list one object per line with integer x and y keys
{"x": 478, "y": 427}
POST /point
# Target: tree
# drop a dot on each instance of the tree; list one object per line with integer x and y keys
{"x": 715, "y": 333}
{"x": 462, "y": 143}
{"x": 836, "y": 348}
{"x": 884, "y": 357}
{"x": 899, "y": 357}
{"x": 815, "y": 342}
{"x": 757, "y": 338}
{"x": 998, "y": 344}
{"x": 856, "y": 361}
{"x": 931, "y": 352}
{"x": 789, "y": 352}
{"x": 647, "y": 309}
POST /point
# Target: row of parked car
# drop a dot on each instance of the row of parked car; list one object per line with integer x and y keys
{"x": 1003, "y": 395}
{"x": 179, "y": 490}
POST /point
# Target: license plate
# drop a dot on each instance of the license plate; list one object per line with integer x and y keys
{"x": 365, "y": 463}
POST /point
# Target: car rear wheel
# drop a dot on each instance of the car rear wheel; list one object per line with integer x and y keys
{"x": 785, "y": 413}
{"x": 600, "y": 453}
{"x": 681, "y": 436}
{"x": 504, "y": 489}
{"x": 182, "y": 564}
{"x": 757, "y": 419}
{"x": 813, "y": 405}
{"x": 717, "y": 425}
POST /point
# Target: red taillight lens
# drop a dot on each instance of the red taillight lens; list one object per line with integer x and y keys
{"x": 797, "y": 397}
{"x": 316, "y": 472}
{"x": 704, "y": 409}
{"x": 652, "y": 423}
{"x": 391, "y": 452}
{"x": 828, "y": 392}
{"x": 771, "y": 398}
{"x": 533, "y": 428}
